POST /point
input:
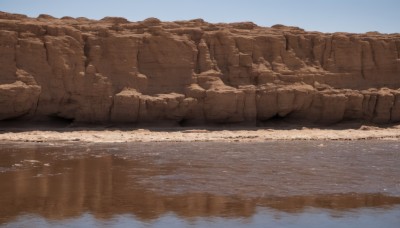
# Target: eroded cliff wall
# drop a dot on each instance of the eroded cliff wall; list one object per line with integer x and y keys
{"x": 114, "y": 70}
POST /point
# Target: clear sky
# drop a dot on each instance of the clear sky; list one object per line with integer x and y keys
{"x": 312, "y": 15}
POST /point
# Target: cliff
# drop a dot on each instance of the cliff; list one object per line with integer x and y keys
{"x": 113, "y": 70}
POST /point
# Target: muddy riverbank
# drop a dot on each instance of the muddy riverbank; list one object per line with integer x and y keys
{"x": 282, "y": 131}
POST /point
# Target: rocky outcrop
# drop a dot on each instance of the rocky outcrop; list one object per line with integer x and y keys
{"x": 114, "y": 70}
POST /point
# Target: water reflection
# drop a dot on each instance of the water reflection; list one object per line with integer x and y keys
{"x": 150, "y": 182}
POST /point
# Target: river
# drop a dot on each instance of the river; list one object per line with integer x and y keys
{"x": 201, "y": 184}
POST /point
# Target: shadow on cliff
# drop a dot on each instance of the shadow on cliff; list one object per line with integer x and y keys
{"x": 67, "y": 125}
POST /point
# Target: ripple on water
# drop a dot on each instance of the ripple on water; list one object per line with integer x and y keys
{"x": 212, "y": 184}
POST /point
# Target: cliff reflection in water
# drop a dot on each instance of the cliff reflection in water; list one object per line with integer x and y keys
{"x": 65, "y": 182}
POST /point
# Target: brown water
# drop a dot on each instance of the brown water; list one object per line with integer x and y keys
{"x": 271, "y": 184}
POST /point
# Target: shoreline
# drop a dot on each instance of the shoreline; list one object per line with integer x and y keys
{"x": 198, "y": 134}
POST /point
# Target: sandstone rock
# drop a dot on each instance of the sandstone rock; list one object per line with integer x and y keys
{"x": 18, "y": 99}
{"x": 195, "y": 91}
{"x": 161, "y": 57}
{"x": 163, "y": 107}
{"x": 151, "y": 21}
{"x": 126, "y": 106}
{"x": 193, "y": 71}
{"x": 334, "y": 106}
{"x": 354, "y": 105}
{"x": 210, "y": 79}
{"x": 95, "y": 102}
{"x": 303, "y": 97}
{"x": 369, "y": 104}
{"x": 383, "y": 106}
{"x": 115, "y": 20}
{"x": 266, "y": 100}
{"x": 12, "y": 16}
{"x": 250, "y": 105}
{"x": 285, "y": 100}
{"x": 327, "y": 107}
{"x": 204, "y": 61}
{"x": 395, "y": 114}
{"x": 46, "y": 17}
{"x": 224, "y": 105}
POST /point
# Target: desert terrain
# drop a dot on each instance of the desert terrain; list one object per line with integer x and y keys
{"x": 194, "y": 73}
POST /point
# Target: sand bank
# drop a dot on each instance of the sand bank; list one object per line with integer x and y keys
{"x": 109, "y": 135}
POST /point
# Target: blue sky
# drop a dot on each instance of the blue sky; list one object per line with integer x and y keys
{"x": 312, "y": 15}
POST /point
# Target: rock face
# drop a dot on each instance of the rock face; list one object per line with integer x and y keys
{"x": 114, "y": 70}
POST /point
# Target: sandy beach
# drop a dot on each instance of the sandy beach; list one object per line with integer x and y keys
{"x": 199, "y": 134}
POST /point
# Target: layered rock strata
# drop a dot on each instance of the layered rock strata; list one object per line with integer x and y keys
{"x": 113, "y": 70}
